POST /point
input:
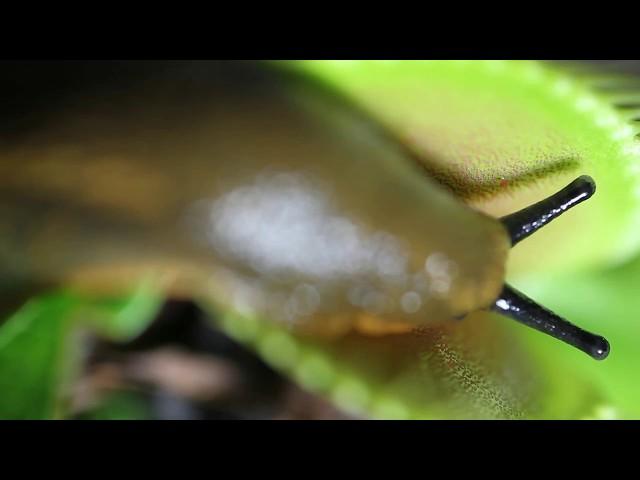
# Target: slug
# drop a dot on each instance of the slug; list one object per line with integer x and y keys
{"x": 282, "y": 207}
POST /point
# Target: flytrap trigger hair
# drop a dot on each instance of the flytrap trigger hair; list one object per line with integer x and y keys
{"x": 517, "y": 306}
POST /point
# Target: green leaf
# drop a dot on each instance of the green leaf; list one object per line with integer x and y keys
{"x": 125, "y": 317}
{"x": 36, "y": 357}
{"x": 41, "y": 348}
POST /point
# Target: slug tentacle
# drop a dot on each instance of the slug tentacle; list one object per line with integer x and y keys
{"x": 521, "y": 308}
{"x": 527, "y": 221}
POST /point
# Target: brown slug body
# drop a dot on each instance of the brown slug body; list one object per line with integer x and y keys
{"x": 247, "y": 192}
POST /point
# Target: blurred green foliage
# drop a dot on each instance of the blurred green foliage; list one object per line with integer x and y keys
{"x": 35, "y": 358}
{"x": 41, "y": 347}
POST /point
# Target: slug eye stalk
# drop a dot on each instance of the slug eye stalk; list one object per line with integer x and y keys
{"x": 518, "y": 306}
{"x": 529, "y": 220}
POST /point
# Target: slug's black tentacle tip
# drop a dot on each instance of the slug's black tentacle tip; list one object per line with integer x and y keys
{"x": 525, "y": 222}
{"x": 521, "y": 308}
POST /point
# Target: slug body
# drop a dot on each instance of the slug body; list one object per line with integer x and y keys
{"x": 247, "y": 193}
